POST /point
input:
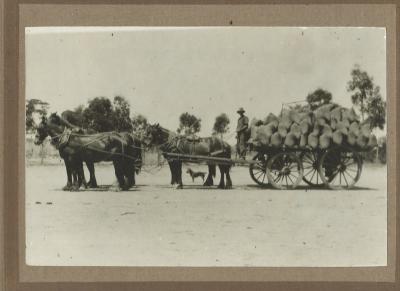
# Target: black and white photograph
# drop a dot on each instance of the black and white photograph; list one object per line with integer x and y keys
{"x": 206, "y": 146}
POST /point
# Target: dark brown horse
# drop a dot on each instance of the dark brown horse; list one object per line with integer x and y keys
{"x": 170, "y": 142}
{"x": 123, "y": 149}
{"x": 74, "y": 121}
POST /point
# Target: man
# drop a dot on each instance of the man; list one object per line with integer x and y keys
{"x": 242, "y": 126}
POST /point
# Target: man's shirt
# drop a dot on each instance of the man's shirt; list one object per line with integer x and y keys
{"x": 242, "y": 124}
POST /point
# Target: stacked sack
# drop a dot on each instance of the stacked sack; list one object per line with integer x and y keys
{"x": 328, "y": 125}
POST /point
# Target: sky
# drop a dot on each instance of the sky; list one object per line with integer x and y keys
{"x": 205, "y": 71}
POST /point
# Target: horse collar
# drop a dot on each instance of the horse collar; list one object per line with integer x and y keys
{"x": 64, "y": 138}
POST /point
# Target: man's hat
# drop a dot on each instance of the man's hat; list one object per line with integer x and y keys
{"x": 241, "y": 110}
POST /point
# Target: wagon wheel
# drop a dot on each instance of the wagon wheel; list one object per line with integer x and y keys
{"x": 310, "y": 160}
{"x": 340, "y": 168}
{"x": 285, "y": 171}
{"x": 258, "y": 170}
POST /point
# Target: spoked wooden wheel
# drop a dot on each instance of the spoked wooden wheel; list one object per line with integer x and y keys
{"x": 285, "y": 171}
{"x": 340, "y": 168}
{"x": 310, "y": 160}
{"x": 258, "y": 170}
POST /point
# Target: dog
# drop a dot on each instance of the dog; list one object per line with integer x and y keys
{"x": 194, "y": 174}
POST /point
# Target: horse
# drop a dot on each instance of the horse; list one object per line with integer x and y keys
{"x": 170, "y": 142}
{"x": 75, "y": 121}
{"x": 42, "y": 133}
{"x": 123, "y": 149}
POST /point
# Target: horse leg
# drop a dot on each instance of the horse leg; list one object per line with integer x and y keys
{"x": 130, "y": 180}
{"x": 172, "y": 170}
{"x": 222, "y": 180}
{"x": 81, "y": 176}
{"x": 92, "y": 180}
{"x": 69, "y": 176}
{"x": 75, "y": 177}
{"x": 179, "y": 175}
{"x": 211, "y": 172}
{"x": 119, "y": 174}
{"x": 73, "y": 167}
{"x": 228, "y": 178}
{"x": 129, "y": 174}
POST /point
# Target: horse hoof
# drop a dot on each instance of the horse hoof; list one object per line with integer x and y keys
{"x": 228, "y": 187}
{"x": 221, "y": 187}
{"x": 179, "y": 187}
{"x": 67, "y": 188}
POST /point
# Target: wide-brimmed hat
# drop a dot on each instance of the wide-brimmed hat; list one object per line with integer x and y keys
{"x": 241, "y": 110}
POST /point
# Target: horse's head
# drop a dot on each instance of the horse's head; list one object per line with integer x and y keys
{"x": 153, "y": 135}
{"x": 54, "y": 120}
{"x": 42, "y": 131}
{"x": 51, "y": 126}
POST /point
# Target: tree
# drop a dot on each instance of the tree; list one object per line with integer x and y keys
{"x": 99, "y": 115}
{"x": 362, "y": 85}
{"x": 221, "y": 124}
{"x": 318, "y": 98}
{"x": 139, "y": 123}
{"x": 376, "y": 110}
{"x": 32, "y": 107}
{"x": 75, "y": 116}
{"x": 367, "y": 98}
{"x": 189, "y": 124}
{"x": 121, "y": 119}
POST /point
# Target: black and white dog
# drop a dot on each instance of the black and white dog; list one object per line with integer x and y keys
{"x": 194, "y": 174}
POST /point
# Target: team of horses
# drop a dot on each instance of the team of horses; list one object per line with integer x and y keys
{"x": 124, "y": 149}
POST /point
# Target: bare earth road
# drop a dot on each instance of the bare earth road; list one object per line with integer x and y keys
{"x": 157, "y": 225}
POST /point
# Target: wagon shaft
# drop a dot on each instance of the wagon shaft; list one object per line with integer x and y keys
{"x": 207, "y": 159}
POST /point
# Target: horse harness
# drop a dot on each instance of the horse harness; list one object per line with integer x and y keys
{"x": 177, "y": 145}
{"x": 66, "y": 135}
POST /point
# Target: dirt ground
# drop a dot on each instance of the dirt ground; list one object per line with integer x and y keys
{"x": 154, "y": 224}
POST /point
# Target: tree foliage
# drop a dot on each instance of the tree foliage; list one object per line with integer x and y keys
{"x": 362, "y": 86}
{"x": 189, "y": 124}
{"x": 367, "y": 98}
{"x": 121, "y": 114}
{"x": 75, "y": 116}
{"x": 139, "y": 124}
{"x": 98, "y": 115}
{"x": 376, "y": 110}
{"x": 318, "y": 98}
{"x": 221, "y": 124}
{"x": 103, "y": 115}
{"x": 34, "y": 107}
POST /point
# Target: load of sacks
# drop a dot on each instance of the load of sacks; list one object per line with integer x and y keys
{"x": 328, "y": 125}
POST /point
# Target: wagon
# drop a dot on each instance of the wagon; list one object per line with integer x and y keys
{"x": 338, "y": 167}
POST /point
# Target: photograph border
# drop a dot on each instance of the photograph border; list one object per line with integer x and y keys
{"x": 20, "y": 14}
